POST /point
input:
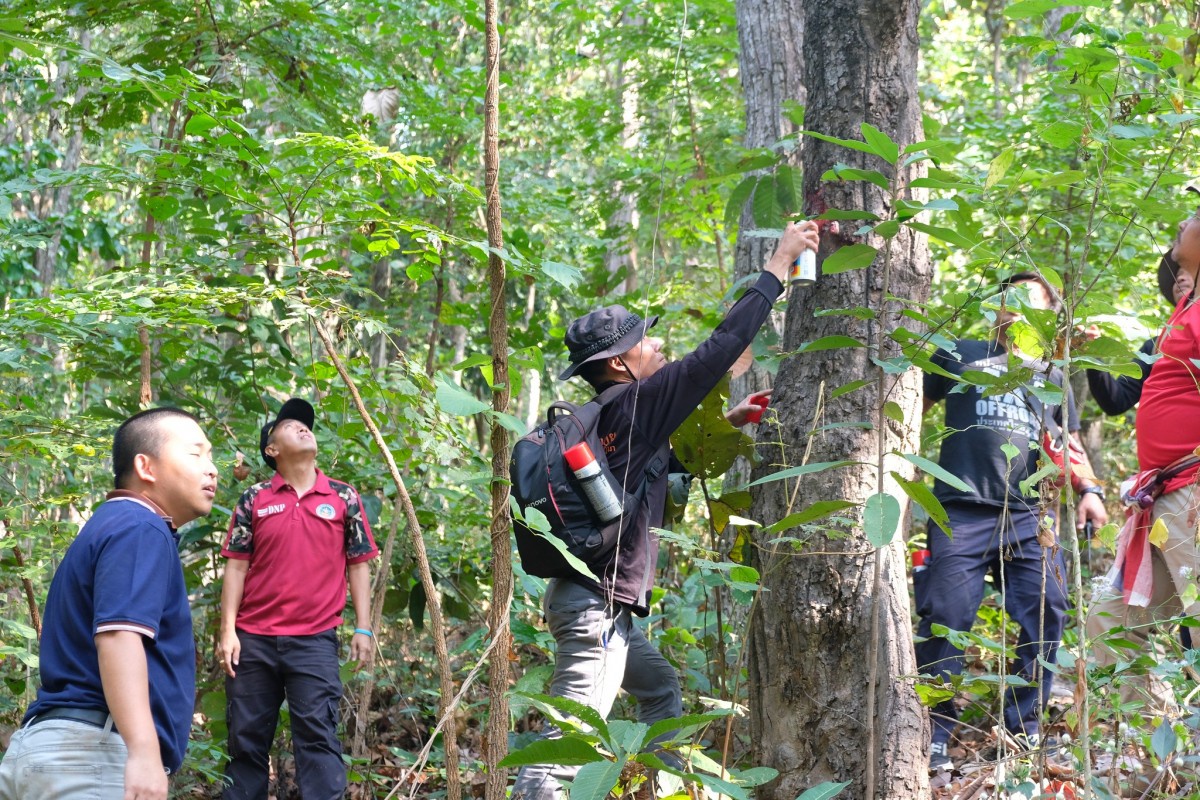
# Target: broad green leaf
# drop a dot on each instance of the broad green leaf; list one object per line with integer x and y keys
{"x": 847, "y": 388}
{"x": 881, "y": 518}
{"x": 838, "y": 214}
{"x": 560, "y": 707}
{"x": 1164, "y": 742}
{"x": 841, "y": 172}
{"x": 1035, "y": 8}
{"x": 456, "y": 401}
{"x": 625, "y": 737}
{"x": 829, "y": 343}
{"x": 919, "y": 493}
{"x": 737, "y": 200}
{"x": 824, "y": 791}
{"x": 1132, "y": 131}
{"x": 563, "y": 274}
{"x": 892, "y": 411}
{"x": 819, "y": 509}
{"x": 162, "y": 207}
{"x": 881, "y": 144}
{"x": 862, "y": 147}
{"x": 594, "y": 781}
{"x": 936, "y": 470}
{"x": 565, "y": 750}
{"x": 706, "y": 444}
{"x": 999, "y": 167}
{"x": 888, "y": 228}
{"x": 794, "y": 472}
{"x": 682, "y": 728}
{"x": 947, "y": 235}
{"x": 854, "y": 256}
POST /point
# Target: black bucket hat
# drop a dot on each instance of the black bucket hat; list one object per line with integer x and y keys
{"x": 605, "y": 333}
{"x": 295, "y": 408}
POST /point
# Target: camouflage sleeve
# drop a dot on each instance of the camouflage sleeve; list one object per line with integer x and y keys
{"x": 360, "y": 544}
{"x": 239, "y": 542}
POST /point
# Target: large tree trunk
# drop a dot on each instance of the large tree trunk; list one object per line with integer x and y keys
{"x": 770, "y": 35}
{"x": 831, "y": 645}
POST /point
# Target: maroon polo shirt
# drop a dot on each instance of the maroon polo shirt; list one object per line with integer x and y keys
{"x": 298, "y": 549}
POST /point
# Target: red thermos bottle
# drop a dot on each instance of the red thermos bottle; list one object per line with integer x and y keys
{"x": 596, "y": 489}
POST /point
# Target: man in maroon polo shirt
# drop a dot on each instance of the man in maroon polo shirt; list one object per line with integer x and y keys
{"x": 293, "y": 542}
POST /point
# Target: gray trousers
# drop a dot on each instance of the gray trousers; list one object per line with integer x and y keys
{"x": 61, "y": 759}
{"x": 600, "y": 651}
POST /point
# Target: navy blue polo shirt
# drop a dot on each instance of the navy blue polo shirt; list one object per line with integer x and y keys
{"x": 121, "y": 573}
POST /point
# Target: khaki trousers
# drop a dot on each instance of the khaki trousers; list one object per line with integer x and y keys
{"x": 1175, "y": 569}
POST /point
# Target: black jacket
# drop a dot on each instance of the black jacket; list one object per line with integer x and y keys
{"x": 640, "y": 422}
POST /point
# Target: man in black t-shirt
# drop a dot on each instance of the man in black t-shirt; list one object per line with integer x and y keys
{"x": 993, "y": 443}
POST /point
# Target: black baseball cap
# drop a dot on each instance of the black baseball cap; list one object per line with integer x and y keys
{"x": 294, "y": 408}
{"x": 603, "y": 333}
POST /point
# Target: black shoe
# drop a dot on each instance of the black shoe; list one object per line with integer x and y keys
{"x": 939, "y": 758}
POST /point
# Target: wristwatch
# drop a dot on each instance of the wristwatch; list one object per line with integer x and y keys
{"x": 1092, "y": 490}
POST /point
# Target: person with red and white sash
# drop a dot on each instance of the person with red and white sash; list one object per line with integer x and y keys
{"x": 1155, "y": 580}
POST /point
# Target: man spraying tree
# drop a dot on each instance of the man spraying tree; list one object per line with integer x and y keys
{"x": 600, "y": 649}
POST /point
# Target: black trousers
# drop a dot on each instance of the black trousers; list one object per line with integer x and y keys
{"x": 304, "y": 670}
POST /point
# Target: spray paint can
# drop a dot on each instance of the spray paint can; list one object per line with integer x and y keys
{"x": 804, "y": 271}
{"x": 595, "y": 486}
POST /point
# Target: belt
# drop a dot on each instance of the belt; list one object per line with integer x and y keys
{"x": 88, "y": 716}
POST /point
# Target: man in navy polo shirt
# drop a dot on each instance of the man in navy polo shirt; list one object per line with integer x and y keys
{"x": 118, "y": 661}
{"x": 292, "y": 543}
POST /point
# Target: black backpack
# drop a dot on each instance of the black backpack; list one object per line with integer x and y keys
{"x": 542, "y": 481}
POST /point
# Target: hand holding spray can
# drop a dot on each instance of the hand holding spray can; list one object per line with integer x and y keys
{"x": 804, "y": 271}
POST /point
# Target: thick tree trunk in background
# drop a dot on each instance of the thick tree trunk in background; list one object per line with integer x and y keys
{"x": 771, "y": 65}
{"x": 828, "y": 629}
{"x": 622, "y": 224}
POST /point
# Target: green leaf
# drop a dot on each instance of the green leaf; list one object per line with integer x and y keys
{"x": 919, "y": 493}
{"x": 841, "y": 172}
{"x": 829, "y": 343}
{"x": 862, "y": 147}
{"x": 594, "y": 781}
{"x": 1164, "y": 742}
{"x": 881, "y": 519}
{"x": 706, "y": 444}
{"x": 625, "y": 737}
{"x": 824, "y": 791}
{"x": 456, "y": 401}
{"x": 847, "y": 388}
{"x": 564, "y": 707}
{"x": 794, "y": 472}
{"x": 563, "y": 274}
{"x": 892, "y": 411}
{"x": 844, "y": 259}
{"x": 881, "y": 144}
{"x": 999, "y": 167}
{"x": 819, "y": 509}
{"x": 934, "y": 469}
{"x": 737, "y": 200}
{"x": 1132, "y": 131}
{"x": 200, "y": 124}
{"x": 161, "y": 208}
{"x": 565, "y": 750}
{"x": 1035, "y": 8}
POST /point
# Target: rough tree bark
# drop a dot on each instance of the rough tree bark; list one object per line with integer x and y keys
{"x": 835, "y": 621}
{"x": 495, "y": 741}
{"x": 771, "y": 66}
